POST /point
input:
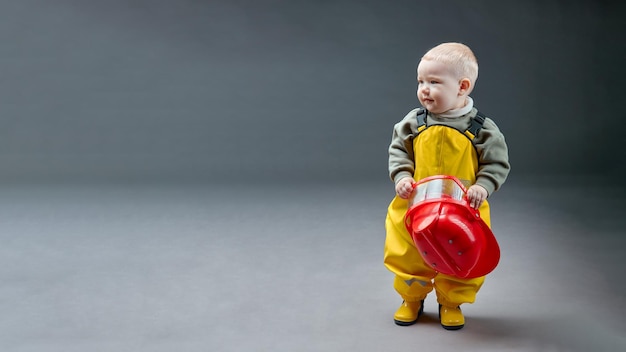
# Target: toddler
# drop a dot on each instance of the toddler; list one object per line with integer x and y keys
{"x": 447, "y": 136}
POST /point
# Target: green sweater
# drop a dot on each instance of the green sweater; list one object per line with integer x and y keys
{"x": 493, "y": 156}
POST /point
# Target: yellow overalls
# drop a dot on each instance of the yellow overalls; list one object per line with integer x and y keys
{"x": 438, "y": 150}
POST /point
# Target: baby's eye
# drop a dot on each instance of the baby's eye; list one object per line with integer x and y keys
{"x": 420, "y": 81}
{"x": 434, "y": 82}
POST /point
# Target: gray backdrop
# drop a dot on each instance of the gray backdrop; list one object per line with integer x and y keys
{"x": 125, "y": 126}
{"x": 214, "y": 91}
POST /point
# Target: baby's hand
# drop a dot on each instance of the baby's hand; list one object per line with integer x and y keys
{"x": 476, "y": 195}
{"x": 404, "y": 187}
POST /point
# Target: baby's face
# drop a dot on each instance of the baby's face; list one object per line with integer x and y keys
{"x": 438, "y": 87}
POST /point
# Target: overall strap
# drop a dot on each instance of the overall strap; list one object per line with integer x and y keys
{"x": 421, "y": 119}
{"x": 476, "y": 124}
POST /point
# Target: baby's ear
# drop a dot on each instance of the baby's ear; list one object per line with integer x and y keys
{"x": 465, "y": 86}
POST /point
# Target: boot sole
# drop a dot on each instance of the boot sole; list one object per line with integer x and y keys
{"x": 452, "y": 327}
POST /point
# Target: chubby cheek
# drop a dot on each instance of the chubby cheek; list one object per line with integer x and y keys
{"x": 419, "y": 96}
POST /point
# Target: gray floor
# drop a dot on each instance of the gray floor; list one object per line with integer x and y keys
{"x": 111, "y": 268}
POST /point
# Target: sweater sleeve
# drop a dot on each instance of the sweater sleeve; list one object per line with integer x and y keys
{"x": 401, "y": 160}
{"x": 493, "y": 157}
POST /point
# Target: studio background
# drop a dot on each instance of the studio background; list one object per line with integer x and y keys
{"x": 212, "y": 175}
{"x": 293, "y": 91}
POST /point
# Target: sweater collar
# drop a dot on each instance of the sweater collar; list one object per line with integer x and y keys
{"x": 460, "y": 111}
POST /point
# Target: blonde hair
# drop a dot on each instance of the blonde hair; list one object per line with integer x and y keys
{"x": 457, "y": 55}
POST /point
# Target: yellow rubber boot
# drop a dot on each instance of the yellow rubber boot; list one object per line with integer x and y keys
{"x": 408, "y": 313}
{"x": 451, "y": 317}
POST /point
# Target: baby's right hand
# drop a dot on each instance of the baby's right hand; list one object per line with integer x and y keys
{"x": 404, "y": 187}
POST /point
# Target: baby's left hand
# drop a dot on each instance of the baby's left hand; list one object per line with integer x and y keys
{"x": 476, "y": 195}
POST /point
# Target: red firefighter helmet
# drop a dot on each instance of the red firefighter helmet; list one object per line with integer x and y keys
{"x": 449, "y": 234}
